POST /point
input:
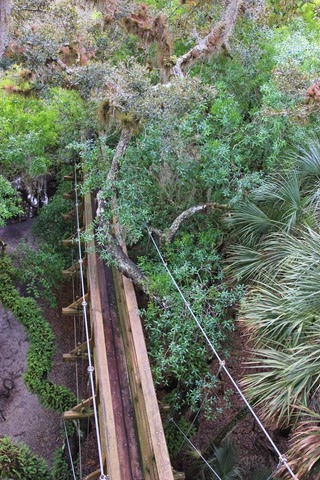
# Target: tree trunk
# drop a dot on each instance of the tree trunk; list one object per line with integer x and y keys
{"x": 107, "y": 241}
{"x": 5, "y": 9}
{"x": 168, "y": 235}
{"x": 125, "y": 137}
{"x": 105, "y": 237}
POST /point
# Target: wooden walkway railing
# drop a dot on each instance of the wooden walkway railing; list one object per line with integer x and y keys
{"x": 132, "y": 437}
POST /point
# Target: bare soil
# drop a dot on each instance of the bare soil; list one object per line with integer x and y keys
{"x": 21, "y": 415}
{"x": 253, "y": 451}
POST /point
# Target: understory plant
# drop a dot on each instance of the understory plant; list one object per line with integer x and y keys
{"x": 179, "y": 353}
{"x": 40, "y": 284}
{"x": 40, "y": 336}
{"x": 17, "y": 462}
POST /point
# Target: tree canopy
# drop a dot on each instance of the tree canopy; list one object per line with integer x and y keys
{"x": 186, "y": 118}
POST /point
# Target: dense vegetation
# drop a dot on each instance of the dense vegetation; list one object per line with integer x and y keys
{"x": 198, "y": 121}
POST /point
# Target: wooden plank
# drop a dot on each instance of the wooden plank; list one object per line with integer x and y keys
{"x": 69, "y": 178}
{"x": 83, "y": 405}
{"x": 69, "y": 196}
{"x": 69, "y": 274}
{"x": 82, "y": 410}
{"x": 77, "y": 353}
{"x": 74, "y": 269}
{"x": 76, "y": 307}
{"x": 73, "y": 239}
{"x": 72, "y": 213}
{"x": 92, "y": 476}
{"x": 154, "y": 450}
{"x": 76, "y": 415}
{"x": 128, "y": 442}
{"x": 106, "y": 414}
{"x": 71, "y": 357}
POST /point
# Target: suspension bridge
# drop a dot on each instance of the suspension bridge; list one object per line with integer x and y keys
{"x": 130, "y": 440}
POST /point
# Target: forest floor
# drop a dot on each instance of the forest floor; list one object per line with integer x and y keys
{"x": 21, "y": 415}
{"x": 254, "y": 455}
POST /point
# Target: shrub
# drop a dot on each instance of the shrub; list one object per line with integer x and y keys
{"x": 39, "y": 286}
{"x": 16, "y": 461}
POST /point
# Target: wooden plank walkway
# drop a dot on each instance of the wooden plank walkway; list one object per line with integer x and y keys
{"x": 128, "y": 446}
{"x": 132, "y": 437}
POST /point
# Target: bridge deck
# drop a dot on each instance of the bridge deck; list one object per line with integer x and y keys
{"x": 132, "y": 437}
{"x": 130, "y": 461}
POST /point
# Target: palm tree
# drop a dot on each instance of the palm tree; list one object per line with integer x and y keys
{"x": 279, "y": 255}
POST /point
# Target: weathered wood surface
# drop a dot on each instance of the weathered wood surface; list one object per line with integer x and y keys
{"x": 132, "y": 438}
{"x": 76, "y": 307}
{"x": 127, "y": 440}
{"x": 80, "y": 411}
{"x": 155, "y": 457}
{"x": 106, "y": 414}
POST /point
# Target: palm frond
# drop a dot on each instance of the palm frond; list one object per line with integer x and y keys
{"x": 245, "y": 263}
{"x": 305, "y": 448}
{"x": 250, "y": 223}
{"x": 308, "y": 163}
{"x": 284, "y": 379}
{"x": 281, "y": 199}
{"x": 268, "y": 318}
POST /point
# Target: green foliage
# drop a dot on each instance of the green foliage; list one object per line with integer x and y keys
{"x": 51, "y": 215}
{"x": 16, "y": 461}
{"x": 179, "y": 354}
{"x": 223, "y": 461}
{"x": 32, "y": 262}
{"x": 60, "y": 468}
{"x": 28, "y": 130}
{"x": 9, "y": 201}
{"x": 175, "y": 439}
{"x": 32, "y": 129}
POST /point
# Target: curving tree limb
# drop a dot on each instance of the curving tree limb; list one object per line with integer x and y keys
{"x": 105, "y": 236}
{"x": 167, "y": 235}
{"x": 214, "y": 42}
{"x": 125, "y": 137}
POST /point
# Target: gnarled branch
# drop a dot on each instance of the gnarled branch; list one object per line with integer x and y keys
{"x": 106, "y": 237}
{"x": 214, "y": 42}
{"x": 125, "y": 137}
{"x": 167, "y": 235}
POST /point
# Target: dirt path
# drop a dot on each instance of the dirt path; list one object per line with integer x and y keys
{"x": 21, "y": 415}
{"x": 14, "y": 233}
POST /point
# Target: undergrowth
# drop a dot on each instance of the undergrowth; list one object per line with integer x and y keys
{"x": 39, "y": 364}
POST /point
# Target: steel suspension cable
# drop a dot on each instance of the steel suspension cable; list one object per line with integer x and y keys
{"x": 195, "y": 449}
{"x": 76, "y": 369}
{"x": 85, "y": 316}
{"x": 69, "y": 451}
{"x": 222, "y": 363}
